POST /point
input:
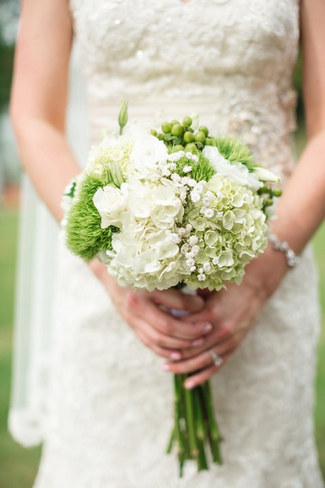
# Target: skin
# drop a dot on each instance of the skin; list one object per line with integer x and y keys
{"x": 222, "y": 320}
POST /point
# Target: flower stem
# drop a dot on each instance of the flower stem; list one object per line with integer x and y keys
{"x": 199, "y": 413}
{"x": 190, "y": 422}
{"x": 213, "y": 431}
{"x": 178, "y": 421}
{"x": 194, "y": 425}
{"x": 171, "y": 440}
{"x": 200, "y": 429}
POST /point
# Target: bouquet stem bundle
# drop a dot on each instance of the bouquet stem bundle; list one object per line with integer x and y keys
{"x": 195, "y": 427}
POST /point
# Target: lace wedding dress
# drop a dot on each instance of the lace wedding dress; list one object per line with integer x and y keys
{"x": 111, "y": 404}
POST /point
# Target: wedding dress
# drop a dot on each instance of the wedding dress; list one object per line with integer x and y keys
{"x": 111, "y": 405}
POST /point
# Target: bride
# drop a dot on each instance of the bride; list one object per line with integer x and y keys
{"x": 110, "y": 406}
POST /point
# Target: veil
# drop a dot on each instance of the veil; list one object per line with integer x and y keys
{"x": 35, "y": 282}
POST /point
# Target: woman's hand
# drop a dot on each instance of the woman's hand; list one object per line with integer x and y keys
{"x": 232, "y": 313}
{"x": 154, "y": 326}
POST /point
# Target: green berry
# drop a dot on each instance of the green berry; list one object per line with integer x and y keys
{"x": 166, "y": 127}
{"x": 187, "y": 121}
{"x": 189, "y": 137}
{"x": 200, "y": 137}
{"x": 173, "y": 122}
{"x": 179, "y": 147}
{"x": 204, "y": 129}
{"x": 191, "y": 147}
{"x": 177, "y": 130}
{"x": 268, "y": 202}
{"x": 153, "y": 132}
{"x": 263, "y": 189}
{"x": 209, "y": 141}
{"x": 277, "y": 192}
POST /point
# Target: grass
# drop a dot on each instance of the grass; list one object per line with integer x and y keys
{"x": 319, "y": 243}
{"x": 19, "y": 465}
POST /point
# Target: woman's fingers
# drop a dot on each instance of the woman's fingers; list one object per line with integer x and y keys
{"x": 160, "y": 351}
{"x": 218, "y": 335}
{"x": 163, "y": 322}
{"x": 175, "y": 299}
{"x": 199, "y": 378}
{"x": 159, "y": 339}
{"x": 200, "y": 361}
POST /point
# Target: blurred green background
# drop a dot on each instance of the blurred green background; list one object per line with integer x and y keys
{"x": 18, "y": 465}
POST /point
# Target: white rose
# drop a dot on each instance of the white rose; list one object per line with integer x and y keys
{"x": 110, "y": 203}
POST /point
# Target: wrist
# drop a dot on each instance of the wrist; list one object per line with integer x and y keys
{"x": 266, "y": 272}
{"x": 100, "y": 271}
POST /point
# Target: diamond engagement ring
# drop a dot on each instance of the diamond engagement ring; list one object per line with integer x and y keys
{"x": 215, "y": 358}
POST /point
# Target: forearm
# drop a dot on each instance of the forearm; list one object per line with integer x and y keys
{"x": 301, "y": 208}
{"x": 47, "y": 158}
{"x": 50, "y": 163}
{"x": 300, "y": 211}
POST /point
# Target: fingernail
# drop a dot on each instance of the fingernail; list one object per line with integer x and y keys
{"x": 165, "y": 367}
{"x": 197, "y": 342}
{"x": 189, "y": 384}
{"x": 207, "y": 328}
{"x": 175, "y": 355}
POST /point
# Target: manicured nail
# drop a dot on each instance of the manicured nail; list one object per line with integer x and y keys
{"x": 198, "y": 342}
{"x": 165, "y": 367}
{"x": 175, "y": 355}
{"x": 189, "y": 384}
{"x": 207, "y": 328}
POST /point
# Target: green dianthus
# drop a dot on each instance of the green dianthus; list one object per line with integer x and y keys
{"x": 84, "y": 235}
{"x": 234, "y": 151}
{"x": 202, "y": 170}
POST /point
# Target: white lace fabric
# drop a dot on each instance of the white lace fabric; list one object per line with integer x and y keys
{"x": 111, "y": 405}
{"x": 237, "y": 56}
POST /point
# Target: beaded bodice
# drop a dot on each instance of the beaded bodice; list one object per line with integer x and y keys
{"x": 229, "y": 60}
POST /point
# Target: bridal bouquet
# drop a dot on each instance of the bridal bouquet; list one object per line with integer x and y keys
{"x": 170, "y": 208}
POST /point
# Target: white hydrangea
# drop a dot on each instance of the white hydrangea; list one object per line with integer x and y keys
{"x": 228, "y": 241}
{"x": 117, "y": 149}
{"x": 172, "y": 243}
{"x": 148, "y": 260}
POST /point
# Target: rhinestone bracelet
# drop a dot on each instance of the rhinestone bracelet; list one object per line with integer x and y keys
{"x": 291, "y": 256}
